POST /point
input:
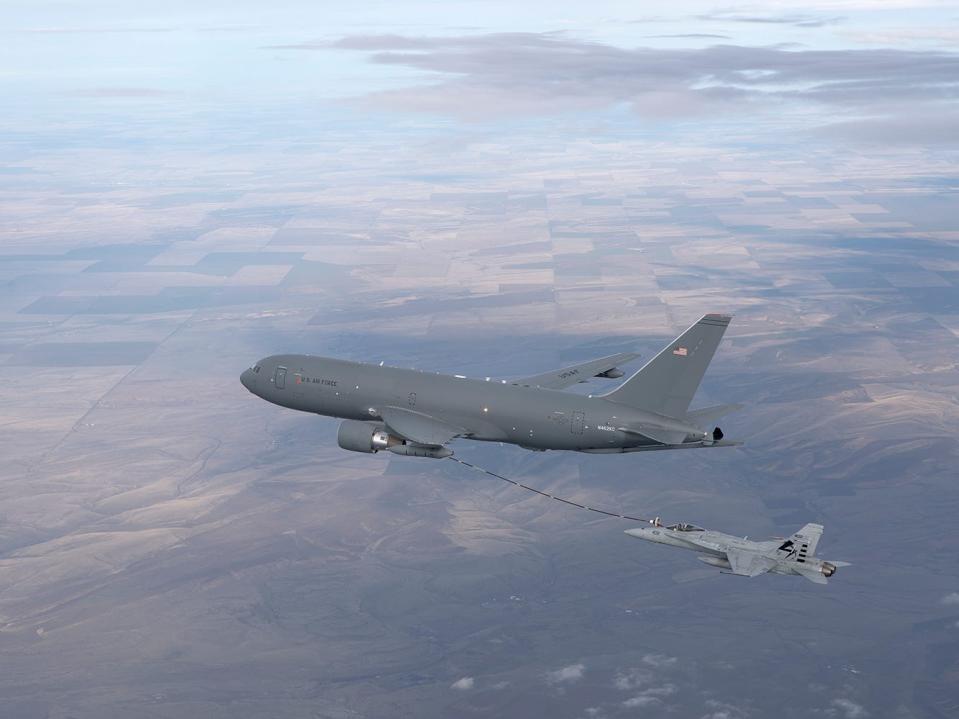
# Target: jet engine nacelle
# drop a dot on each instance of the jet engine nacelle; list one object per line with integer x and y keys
{"x": 827, "y": 569}
{"x": 366, "y": 437}
{"x": 371, "y": 437}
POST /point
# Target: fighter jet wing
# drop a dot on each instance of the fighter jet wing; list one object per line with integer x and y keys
{"x": 568, "y": 376}
{"x": 418, "y": 427}
{"x": 749, "y": 564}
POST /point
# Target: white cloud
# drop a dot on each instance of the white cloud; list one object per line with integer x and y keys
{"x": 629, "y": 679}
{"x": 795, "y": 19}
{"x": 650, "y": 696}
{"x": 722, "y": 710}
{"x": 464, "y": 684}
{"x": 572, "y": 673}
{"x": 903, "y": 36}
{"x": 659, "y": 661}
{"x": 850, "y": 709}
{"x": 640, "y": 701}
{"x": 950, "y": 599}
{"x": 494, "y": 76}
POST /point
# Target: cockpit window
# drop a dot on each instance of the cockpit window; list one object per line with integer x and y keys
{"x": 256, "y": 368}
{"x": 684, "y": 527}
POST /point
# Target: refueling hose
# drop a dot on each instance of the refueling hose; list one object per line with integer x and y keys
{"x": 551, "y": 496}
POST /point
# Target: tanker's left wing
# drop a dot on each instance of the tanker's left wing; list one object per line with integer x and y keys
{"x": 568, "y": 376}
{"x": 749, "y": 564}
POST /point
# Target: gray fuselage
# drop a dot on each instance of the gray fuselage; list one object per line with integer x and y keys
{"x": 488, "y": 410}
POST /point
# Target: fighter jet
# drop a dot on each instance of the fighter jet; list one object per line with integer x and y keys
{"x": 415, "y": 413}
{"x": 735, "y": 555}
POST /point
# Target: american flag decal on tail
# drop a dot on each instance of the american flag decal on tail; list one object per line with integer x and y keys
{"x": 680, "y": 352}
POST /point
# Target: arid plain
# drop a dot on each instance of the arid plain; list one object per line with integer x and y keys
{"x": 171, "y": 546}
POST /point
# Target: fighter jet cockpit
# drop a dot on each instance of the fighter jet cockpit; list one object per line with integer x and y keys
{"x": 680, "y": 527}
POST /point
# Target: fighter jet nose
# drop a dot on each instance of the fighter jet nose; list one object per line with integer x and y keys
{"x": 248, "y": 379}
{"x": 639, "y": 532}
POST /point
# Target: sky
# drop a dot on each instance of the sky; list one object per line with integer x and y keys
{"x": 854, "y": 71}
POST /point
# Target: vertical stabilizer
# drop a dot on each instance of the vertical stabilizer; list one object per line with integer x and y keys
{"x": 666, "y": 384}
{"x": 805, "y": 541}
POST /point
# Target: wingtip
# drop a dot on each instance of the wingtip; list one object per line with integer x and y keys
{"x": 718, "y": 317}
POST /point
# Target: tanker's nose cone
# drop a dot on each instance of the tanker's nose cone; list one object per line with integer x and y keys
{"x": 248, "y": 379}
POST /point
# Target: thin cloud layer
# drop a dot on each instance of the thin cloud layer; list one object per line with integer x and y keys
{"x": 849, "y": 709}
{"x": 120, "y": 92}
{"x": 795, "y": 19}
{"x": 659, "y": 660}
{"x": 505, "y": 75}
{"x": 651, "y": 696}
{"x": 93, "y": 30}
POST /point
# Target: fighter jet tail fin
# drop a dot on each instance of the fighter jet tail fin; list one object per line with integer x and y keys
{"x": 666, "y": 384}
{"x": 805, "y": 541}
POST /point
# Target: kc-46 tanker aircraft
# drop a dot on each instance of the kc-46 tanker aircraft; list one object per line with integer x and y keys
{"x": 415, "y": 413}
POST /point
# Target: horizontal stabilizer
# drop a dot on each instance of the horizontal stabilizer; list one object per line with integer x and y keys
{"x": 811, "y": 573}
{"x": 658, "y": 434}
{"x": 708, "y": 415}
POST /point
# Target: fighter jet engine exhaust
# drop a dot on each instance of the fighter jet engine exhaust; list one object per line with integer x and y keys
{"x": 828, "y": 569}
{"x": 372, "y": 437}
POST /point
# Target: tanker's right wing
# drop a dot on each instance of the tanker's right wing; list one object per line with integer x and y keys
{"x": 568, "y": 376}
